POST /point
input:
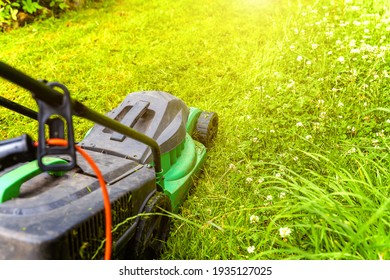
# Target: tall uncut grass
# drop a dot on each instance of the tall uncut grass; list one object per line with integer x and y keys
{"x": 299, "y": 169}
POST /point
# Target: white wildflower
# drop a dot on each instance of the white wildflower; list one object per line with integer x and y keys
{"x": 249, "y": 180}
{"x": 284, "y": 232}
{"x": 341, "y": 59}
{"x": 251, "y": 249}
{"x": 320, "y": 102}
{"x": 254, "y": 219}
{"x": 380, "y": 134}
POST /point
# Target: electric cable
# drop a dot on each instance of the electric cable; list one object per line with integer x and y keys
{"x": 106, "y": 198}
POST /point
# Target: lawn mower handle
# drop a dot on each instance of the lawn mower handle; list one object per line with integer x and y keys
{"x": 52, "y": 97}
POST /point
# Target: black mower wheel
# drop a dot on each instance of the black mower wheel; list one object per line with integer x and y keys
{"x": 153, "y": 228}
{"x": 206, "y": 128}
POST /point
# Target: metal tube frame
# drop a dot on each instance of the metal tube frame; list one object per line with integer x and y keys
{"x": 43, "y": 92}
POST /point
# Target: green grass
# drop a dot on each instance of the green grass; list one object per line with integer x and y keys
{"x": 296, "y": 85}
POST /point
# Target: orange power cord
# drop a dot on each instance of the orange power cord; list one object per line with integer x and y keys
{"x": 106, "y": 198}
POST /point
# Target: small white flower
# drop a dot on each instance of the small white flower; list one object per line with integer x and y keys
{"x": 321, "y": 102}
{"x": 282, "y": 195}
{"x": 308, "y": 137}
{"x": 380, "y": 134}
{"x": 314, "y": 46}
{"x": 351, "y": 151}
{"x": 254, "y": 219}
{"x": 341, "y": 59}
{"x": 272, "y": 131}
{"x": 291, "y": 83}
{"x": 269, "y": 197}
{"x": 251, "y": 249}
{"x": 232, "y": 166}
{"x": 329, "y": 34}
{"x": 295, "y": 158}
{"x": 299, "y": 124}
{"x": 284, "y": 232}
{"x": 308, "y": 62}
{"x": 255, "y": 140}
{"x": 278, "y": 175}
{"x": 299, "y": 58}
{"x": 249, "y": 180}
{"x": 340, "y": 104}
{"x": 261, "y": 180}
{"x": 388, "y": 121}
{"x": 352, "y": 43}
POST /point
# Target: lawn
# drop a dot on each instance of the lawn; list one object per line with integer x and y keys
{"x": 300, "y": 167}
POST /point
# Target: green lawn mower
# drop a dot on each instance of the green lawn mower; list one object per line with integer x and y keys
{"x": 108, "y": 196}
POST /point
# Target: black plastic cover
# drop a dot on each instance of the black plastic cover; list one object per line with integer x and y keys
{"x": 63, "y": 217}
{"x": 157, "y": 114}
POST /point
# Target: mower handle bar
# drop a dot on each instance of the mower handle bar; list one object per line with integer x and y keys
{"x": 52, "y": 97}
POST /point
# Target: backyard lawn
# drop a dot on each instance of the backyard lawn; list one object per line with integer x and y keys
{"x": 300, "y": 166}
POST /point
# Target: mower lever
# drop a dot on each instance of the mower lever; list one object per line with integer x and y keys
{"x": 59, "y": 120}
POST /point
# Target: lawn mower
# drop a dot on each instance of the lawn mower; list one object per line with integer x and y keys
{"x": 112, "y": 194}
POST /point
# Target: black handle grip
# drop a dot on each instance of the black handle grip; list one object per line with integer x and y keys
{"x": 16, "y": 150}
{"x": 61, "y": 126}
